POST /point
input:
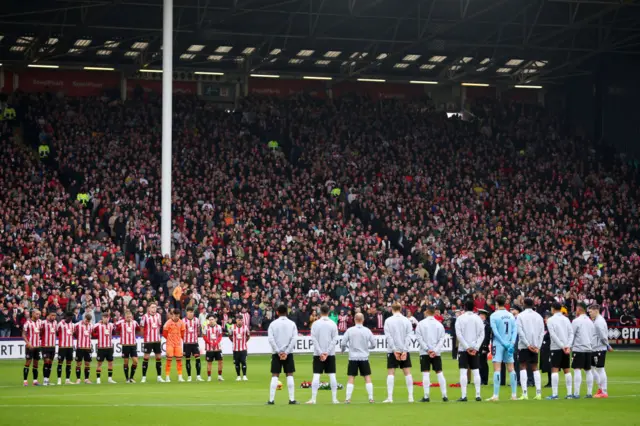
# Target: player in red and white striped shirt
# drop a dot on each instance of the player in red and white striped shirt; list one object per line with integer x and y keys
{"x": 48, "y": 331}
{"x": 126, "y": 328}
{"x": 83, "y": 331}
{"x": 103, "y": 331}
{"x": 151, "y": 322}
{"x": 191, "y": 346}
{"x": 213, "y": 338}
{"x": 31, "y": 336}
{"x": 65, "y": 347}
{"x": 239, "y": 337}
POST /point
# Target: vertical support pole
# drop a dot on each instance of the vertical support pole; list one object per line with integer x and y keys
{"x": 167, "y": 103}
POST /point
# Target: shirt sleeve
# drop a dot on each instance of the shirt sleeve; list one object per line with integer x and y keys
{"x": 521, "y": 332}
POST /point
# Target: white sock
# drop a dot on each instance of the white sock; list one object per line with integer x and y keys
{"x": 602, "y": 374}
{"x": 369, "y": 387}
{"x": 443, "y": 384}
{"x": 291, "y": 387}
{"x": 589, "y": 375}
{"x": 477, "y": 382}
{"x": 463, "y": 382}
{"x": 523, "y": 381}
{"x": 537, "y": 379}
{"x": 409, "y": 381}
{"x": 554, "y": 383}
{"x": 390, "y": 381}
{"x": 272, "y": 388}
{"x": 426, "y": 383}
{"x": 349, "y": 391}
{"x": 334, "y": 387}
{"x": 596, "y": 376}
{"x": 315, "y": 385}
{"x": 568, "y": 383}
{"x": 577, "y": 381}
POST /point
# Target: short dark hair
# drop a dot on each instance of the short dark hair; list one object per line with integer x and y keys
{"x": 68, "y": 316}
{"x": 501, "y": 300}
{"x": 210, "y": 316}
{"x": 189, "y": 309}
{"x": 282, "y": 310}
{"x": 595, "y": 307}
{"x": 528, "y": 302}
{"x": 324, "y": 310}
{"x": 469, "y": 305}
{"x": 430, "y": 310}
{"x": 175, "y": 312}
{"x": 556, "y": 306}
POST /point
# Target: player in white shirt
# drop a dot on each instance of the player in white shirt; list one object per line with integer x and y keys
{"x": 561, "y": 335}
{"x": 530, "y": 335}
{"x": 470, "y": 334}
{"x": 360, "y": 341}
{"x": 324, "y": 336}
{"x": 431, "y": 335}
{"x": 600, "y": 348}
{"x": 583, "y": 332}
{"x": 398, "y": 332}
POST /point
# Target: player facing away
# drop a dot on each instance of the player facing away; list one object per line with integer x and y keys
{"x": 240, "y": 335}
{"x": 505, "y": 332}
{"x": 212, "y": 338}
{"x": 470, "y": 335}
{"x": 530, "y": 335}
{"x": 430, "y": 334}
{"x": 324, "y": 335}
{"x": 359, "y": 339}
{"x": 103, "y": 331}
{"x": 282, "y": 335}
{"x": 601, "y": 346}
{"x": 82, "y": 331}
{"x": 191, "y": 346}
{"x": 31, "y": 337}
{"x": 583, "y": 332}
{"x": 397, "y": 331}
{"x": 65, "y": 347}
{"x": 48, "y": 334}
{"x": 151, "y": 322}
{"x": 174, "y": 331}
{"x": 126, "y": 328}
{"x": 561, "y": 335}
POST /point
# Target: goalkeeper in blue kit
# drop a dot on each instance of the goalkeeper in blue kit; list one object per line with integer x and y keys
{"x": 505, "y": 332}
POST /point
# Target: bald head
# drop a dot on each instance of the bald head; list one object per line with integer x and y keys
{"x": 359, "y": 318}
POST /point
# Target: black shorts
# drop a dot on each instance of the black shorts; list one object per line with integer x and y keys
{"x": 154, "y": 347}
{"x": 560, "y": 360}
{"x": 598, "y": 359}
{"x": 239, "y": 357}
{"x": 581, "y": 361}
{"x": 525, "y": 356}
{"x": 105, "y": 354}
{"x": 327, "y": 366}
{"x": 288, "y": 366}
{"x": 470, "y": 362}
{"x": 427, "y": 363}
{"x": 392, "y": 362}
{"x": 191, "y": 349}
{"x": 33, "y": 354}
{"x": 130, "y": 351}
{"x": 65, "y": 354}
{"x": 83, "y": 355}
{"x": 362, "y": 368}
{"x": 48, "y": 353}
{"x": 214, "y": 356}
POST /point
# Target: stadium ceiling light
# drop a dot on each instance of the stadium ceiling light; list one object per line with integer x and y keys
{"x": 43, "y": 66}
{"x": 83, "y": 42}
{"x": 401, "y": 65}
{"x": 411, "y": 58}
{"x": 322, "y": 62}
{"x": 504, "y": 70}
{"x": 275, "y": 52}
{"x": 264, "y": 75}
{"x": 455, "y": 67}
{"x": 427, "y": 67}
{"x": 151, "y": 71}
{"x": 52, "y": 41}
{"x": 208, "y": 73}
{"x": 525, "y": 86}
{"x": 103, "y": 52}
{"x": 540, "y": 64}
{"x": 481, "y": 69}
{"x": 372, "y": 80}
{"x": 305, "y": 52}
{"x": 382, "y": 56}
{"x": 313, "y": 77}
{"x": 514, "y": 62}
{"x": 423, "y": 82}
{"x": 17, "y": 48}
{"x": 187, "y": 56}
{"x": 249, "y": 50}
{"x": 485, "y": 61}
{"x": 111, "y": 44}
{"x": 131, "y": 53}
{"x": 295, "y": 61}
{"x": 196, "y": 48}
{"x": 214, "y": 57}
{"x": 332, "y": 54}
{"x": 140, "y": 45}
{"x": 466, "y": 59}
{"x": 98, "y": 69}
{"x": 25, "y": 40}
{"x": 75, "y": 51}
{"x": 475, "y": 84}
{"x": 223, "y": 49}
{"x": 437, "y": 58}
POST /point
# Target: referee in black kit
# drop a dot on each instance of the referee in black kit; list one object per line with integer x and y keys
{"x": 484, "y": 348}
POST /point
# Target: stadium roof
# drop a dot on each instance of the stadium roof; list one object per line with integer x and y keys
{"x": 460, "y": 40}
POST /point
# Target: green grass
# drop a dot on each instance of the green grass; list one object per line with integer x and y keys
{"x": 242, "y": 403}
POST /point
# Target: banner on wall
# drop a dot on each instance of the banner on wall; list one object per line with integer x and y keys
{"x": 15, "y": 348}
{"x": 155, "y": 86}
{"x": 71, "y": 83}
{"x": 624, "y": 336}
{"x": 285, "y": 88}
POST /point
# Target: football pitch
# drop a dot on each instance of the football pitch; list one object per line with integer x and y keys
{"x": 243, "y": 403}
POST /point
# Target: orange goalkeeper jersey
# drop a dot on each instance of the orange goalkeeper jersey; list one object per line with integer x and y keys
{"x": 173, "y": 331}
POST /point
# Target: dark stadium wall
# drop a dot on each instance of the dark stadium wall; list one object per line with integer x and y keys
{"x": 7, "y": 81}
{"x": 71, "y": 83}
{"x": 581, "y": 106}
{"x": 285, "y": 87}
{"x": 155, "y": 86}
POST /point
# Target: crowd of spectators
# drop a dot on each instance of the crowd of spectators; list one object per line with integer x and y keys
{"x": 363, "y": 203}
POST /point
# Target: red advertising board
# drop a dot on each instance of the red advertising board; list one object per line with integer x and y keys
{"x": 379, "y": 90}
{"x": 71, "y": 83}
{"x": 285, "y": 88}
{"x": 155, "y": 86}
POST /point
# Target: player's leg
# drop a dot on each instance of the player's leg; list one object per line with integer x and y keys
{"x": 588, "y": 373}
{"x": 350, "y": 387}
{"x": 243, "y": 364}
{"x": 220, "y": 365}
{"x": 365, "y": 370}
{"x": 27, "y": 367}
{"x": 537, "y": 378}
{"x": 87, "y": 366}
{"x": 602, "y": 374}
{"x": 276, "y": 368}
{"x": 497, "y": 352}
{"x": 236, "y": 363}
{"x": 463, "y": 366}
{"x": 145, "y": 361}
{"x": 157, "y": 351}
{"x": 134, "y": 366}
{"x": 99, "y": 368}
{"x": 67, "y": 369}
{"x": 59, "y": 366}
{"x": 78, "y": 365}
{"x": 196, "y": 355}
{"x": 318, "y": 369}
{"x": 125, "y": 363}
{"x": 168, "y": 362}
{"x": 442, "y": 382}
{"x": 48, "y": 362}
{"x": 178, "y": 354}
{"x": 187, "y": 360}
{"x": 289, "y": 369}
{"x": 408, "y": 380}
{"x": 110, "y": 367}
{"x": 392, "y": 364}
{"x": 513, "y": 379}
{"x": 474, "y": 365}
{"x": 330, "y": 369}
{"x": 522, "y": 366}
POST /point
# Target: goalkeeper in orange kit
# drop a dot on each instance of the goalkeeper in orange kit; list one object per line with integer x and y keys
{"x": 173, "y": 331}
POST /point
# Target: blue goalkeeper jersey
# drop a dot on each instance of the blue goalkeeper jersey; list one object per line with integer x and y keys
{"x": 503, "y": 326}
